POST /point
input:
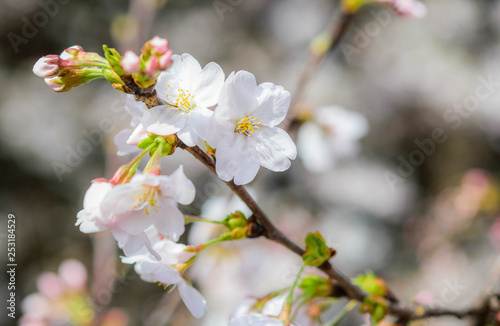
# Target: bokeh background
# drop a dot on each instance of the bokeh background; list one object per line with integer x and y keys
{"x": 430, "y": 227}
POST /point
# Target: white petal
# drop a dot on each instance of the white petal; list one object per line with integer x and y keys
{"x": 135, "y": 108}
{"x": 239, "y": 96}
{"x": 137, "y": 136}
{"x": 274, "y": 104}
{"x": 208, "y": 84}
{"x": 199, "y": 124}
{"x": 164, "y": 120}
{"x": 272, "y": 148}
{"x": 188, "y": 135}
{"x": 178, "y": 187}
{"x": 193, "y": 299}
{"x": 168, "y": 220}
{"x": 341, "y": 123}
{"x": 134, "y": 222}
{"x": 255, "y": 320}
{"x": 233, "y": 160}
{"x": 120, "y": 141}
{"x": 314, "y": 151}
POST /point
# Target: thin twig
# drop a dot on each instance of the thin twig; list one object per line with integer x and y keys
{"x": 335, "y": 35}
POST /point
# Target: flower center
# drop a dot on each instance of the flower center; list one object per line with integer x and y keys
{"x": 182, "y": 99}
{"x": 147, "y": 198}
{"x": 247, "y": 125}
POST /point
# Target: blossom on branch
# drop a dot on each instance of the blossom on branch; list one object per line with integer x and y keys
{"x": 127, "y": 139}
{"x": 187, "y": 91}
{"x": 333, "y": 133}
{"x": 130, "y": 210}
{"x": 165, "y": 273}
{"x": 244, "y": 129}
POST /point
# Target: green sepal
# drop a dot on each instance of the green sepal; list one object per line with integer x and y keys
{"x": 114, "y": 59}
{"x": 371, "y": 284}
{"x": 115, "y": 80}
{"x": 235, "y": 220}
{"x": 317, "y": 252}
{"x": 315, "y": 286}
{"x": 146, "y": 142}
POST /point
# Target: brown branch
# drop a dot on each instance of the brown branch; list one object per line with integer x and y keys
{"x": 350, "y": 290}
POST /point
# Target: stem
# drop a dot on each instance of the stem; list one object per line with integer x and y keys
{"x": 287, "y": 307}
{"x": 335, "y": 34}
{"x": 191, "y": 219}
{"x": 348, "y": 289}
{"x": 342, "y": 314}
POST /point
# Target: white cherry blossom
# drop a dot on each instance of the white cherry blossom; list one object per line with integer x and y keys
{"x": 138, "y": 211}
{"x": 187, "y": 91}
{"x": 332, "y": 134}
{"x": 149, "y": 200}
{"x": 127, "y": 139}
{"x": 244, "y": 131}
{"x": 163, "y": 272}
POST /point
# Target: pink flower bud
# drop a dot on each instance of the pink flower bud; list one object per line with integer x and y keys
{"x": 72, "y": 52}
{"x": 53, "y": 83}
{"x": 159, "y": 45}
{"x": 152, "y": 66}
{"x": 166, "y": 60}
{"x": 410, "y": 8}
{"x": 130, "y": 62}
{"x": 49, "y": 285}
{"x": 73, "y": 274}
{"x": 47, "y": 66}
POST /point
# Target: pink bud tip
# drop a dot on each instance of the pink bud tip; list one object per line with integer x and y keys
{"x": 46, "y": 66}
{"x": 166, "y": 60}
{"x": 71, "y": 52}
{"x": 159, "y": 45}
{"x": 55, "y": 86}
{"x": 410, "y": 8}
{"x": 152, "y": 66}
{"x": 130, "y": 62}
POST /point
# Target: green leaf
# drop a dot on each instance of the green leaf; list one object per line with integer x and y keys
{"x": 317, "y": 252}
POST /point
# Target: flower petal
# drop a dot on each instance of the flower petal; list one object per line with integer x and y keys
{"x": 208, "y": 84}
{"x": 164, "y": 120}
{"x": 239, "y": 96}
{"x": 168, "y": 219}
{"x": 193, "y": 299}
{"x": 178, "y": 187}
{"x": 233, "y": 160}
{"x": 272, "y": 148}
{"x": 274, "y": 104}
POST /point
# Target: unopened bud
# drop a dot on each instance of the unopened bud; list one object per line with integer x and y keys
{"x": 130, "y": 62}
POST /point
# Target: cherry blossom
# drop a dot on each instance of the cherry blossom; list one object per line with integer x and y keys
{"x": 148, "y": 200}
{"x": 332, "y": 134}
{"x": 163, "y": 271}
{"x": 137, "y": 211}
{"x": 187, "y": 91}
{"x": 244, "y": 129}
{"x": 127, "y": 139}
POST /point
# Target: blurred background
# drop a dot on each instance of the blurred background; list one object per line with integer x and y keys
{"x": 412, "y": 193}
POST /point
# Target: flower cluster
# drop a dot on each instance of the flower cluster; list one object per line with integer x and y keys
{"x": 63, "y": 299}
{"x": 235, "y": 117}
{"x": 174, "y": 102}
